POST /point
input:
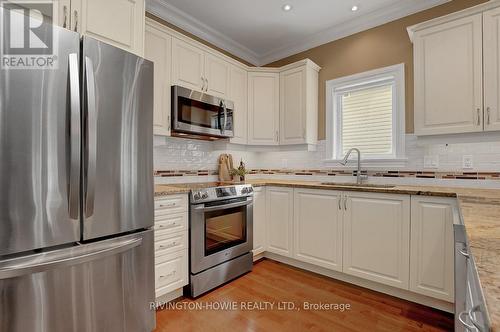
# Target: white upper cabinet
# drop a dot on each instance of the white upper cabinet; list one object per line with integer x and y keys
{"x": 279, "y": 219}
{"x": 197, "y": 69}
{"x": 377, "y": 238}
{"x": 158, "y": 48}
{"x": 116, "y": 22}
{"x": 259, "y": 220}
{"x": 491, "y": 39}
{"x": 238, "y": 94}
{"x": 263, "y": 108}
{"x": 217, "y": 75}
{"x": 188, "y": 65}
{"x": 432, "y": 247}
{"x": 299, "y": 104}
{"x": 318, "y": 227}
{"x": 448, "y": 77}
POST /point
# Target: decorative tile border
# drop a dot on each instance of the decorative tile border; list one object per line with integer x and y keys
{"x": 332, "y": 172}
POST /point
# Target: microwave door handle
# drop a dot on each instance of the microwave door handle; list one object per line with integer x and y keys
{"x": 91, "y": 146}
{"x": 218, "y": 119}
{"x": 225, "y": 115}
{"x": 75, "y": 137}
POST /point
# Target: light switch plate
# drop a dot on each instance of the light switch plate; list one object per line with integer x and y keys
{"x": 467, "y": 162}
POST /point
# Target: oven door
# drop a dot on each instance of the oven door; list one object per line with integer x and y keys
{"x": 194, "y": 112}
{"x": 220, "y": 231}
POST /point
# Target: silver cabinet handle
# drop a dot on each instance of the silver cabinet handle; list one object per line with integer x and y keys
{"x": 202, "y": 83}
{"x": 162, "y": 247}
{"x": 75, "y": 134}
{"x": 75, "y": 14}
{"x": 277, "y": 136}
{"x": 206, "y": 88}
{"x": 91, "y": 149}
{"x": 340, "y": 202}
{"x": 65, "y": 13}
{"x": 488, "y": 114}
{"x": 345, "y": 203}
{"x": 478, "y": 116}
{"x": 168, "y": 275}
{"x": 462, "y": 320}
{"x": 464, "y": 253}
{"x": 169, "y": 205}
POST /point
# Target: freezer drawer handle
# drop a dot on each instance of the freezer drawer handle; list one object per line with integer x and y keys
{"x": 65, "y": 257}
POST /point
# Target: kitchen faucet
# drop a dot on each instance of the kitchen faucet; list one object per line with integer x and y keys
{"x": 359, "y": 177}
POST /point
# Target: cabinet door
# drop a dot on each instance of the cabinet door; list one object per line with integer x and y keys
{"x": 279, "y": 220}
{"x": 491, "y": 49}
{"x": 187, "y": 65}
{"x": 432, "y": 247}
{"x": 259, "y": 220}
{"x": 448, "y": 78}
{"x": 171, "y": 272}
{"x": 217, "y": 72}
{"x": 263, "y": 108}
{"x": 318, "y": 227}
{"x": 63, "y": 10}
{"x": 293, "y": 106}
{"x": 158, "y": 48}
{"x": 377, "y": 238}
{"x": 116, "y": 22}
{"x": 238, "y": 94}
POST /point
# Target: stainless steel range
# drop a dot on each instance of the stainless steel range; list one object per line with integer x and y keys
{"x": 220, "y": 236}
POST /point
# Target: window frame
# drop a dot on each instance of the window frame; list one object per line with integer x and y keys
{"x": 336, "y": 87}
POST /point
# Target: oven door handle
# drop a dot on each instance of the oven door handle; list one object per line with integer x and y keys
{"x": 222, "y": 207}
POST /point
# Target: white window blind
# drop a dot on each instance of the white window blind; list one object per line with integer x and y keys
{"x": 367, "y": 111}
{"x": 366, "y": 116}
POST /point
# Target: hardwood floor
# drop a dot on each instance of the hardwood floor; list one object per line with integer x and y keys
{"x": 274, "y": 282}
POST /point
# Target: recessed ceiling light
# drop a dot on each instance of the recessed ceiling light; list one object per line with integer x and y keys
{"x": 354, "y": 8}
{"x": 287, "y": 7}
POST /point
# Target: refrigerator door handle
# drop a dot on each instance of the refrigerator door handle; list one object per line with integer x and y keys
{"x": 64, "y": 257}
{"x": 91, "y": 147}
{"x": 75, "y": 137}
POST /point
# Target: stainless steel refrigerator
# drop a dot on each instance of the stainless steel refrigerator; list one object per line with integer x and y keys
{"x": 76, "y": 192}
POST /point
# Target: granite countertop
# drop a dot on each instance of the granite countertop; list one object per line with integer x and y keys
{"x": 480, "y": 209}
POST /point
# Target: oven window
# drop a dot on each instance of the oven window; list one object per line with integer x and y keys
{"x": 224, "y": 229}
{"x": 197, "y": 113}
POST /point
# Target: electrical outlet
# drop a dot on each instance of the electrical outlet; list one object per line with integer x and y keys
{"x": 467, "y": 161}
{"x": 431, "y": 161}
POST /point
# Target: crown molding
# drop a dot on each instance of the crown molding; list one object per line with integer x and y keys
{"x": 360, "y": 23}
{"x": 370, "y": 20}
{"x": 190, "y": 24}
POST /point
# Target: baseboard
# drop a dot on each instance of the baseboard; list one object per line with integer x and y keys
{"x": 258, "y": 257}
{"x": 165, "y": 298}
{"x": 396, "y": 292}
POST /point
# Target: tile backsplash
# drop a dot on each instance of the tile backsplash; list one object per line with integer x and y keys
{"x": 179, "y": 156}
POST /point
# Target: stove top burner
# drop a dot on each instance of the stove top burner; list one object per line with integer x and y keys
{"x": 220, "y": 191}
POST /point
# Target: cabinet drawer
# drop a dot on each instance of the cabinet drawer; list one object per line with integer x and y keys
{"x": 171, "y": 204}
{"x": 170, "y": 243}
{"x": 171, "y": 273}
{"x": 169, "y": 224}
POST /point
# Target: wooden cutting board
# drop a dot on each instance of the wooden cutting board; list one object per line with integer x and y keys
{"x": 224, "y": 168}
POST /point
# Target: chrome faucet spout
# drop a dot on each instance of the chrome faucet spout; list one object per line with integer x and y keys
{"x": 344, "y": 161}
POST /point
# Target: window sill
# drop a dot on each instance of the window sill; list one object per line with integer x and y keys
{"x": 382, "y": 163}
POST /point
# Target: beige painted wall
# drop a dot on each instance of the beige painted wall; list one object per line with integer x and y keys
{"x": 379, "y": 47}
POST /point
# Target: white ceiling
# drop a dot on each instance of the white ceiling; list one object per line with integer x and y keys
{"x": 260, "y": 32}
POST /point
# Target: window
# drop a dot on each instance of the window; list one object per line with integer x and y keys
{"x": 366, "y": 111}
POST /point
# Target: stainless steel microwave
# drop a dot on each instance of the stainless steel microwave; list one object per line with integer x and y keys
{"x": 199, "y": 115}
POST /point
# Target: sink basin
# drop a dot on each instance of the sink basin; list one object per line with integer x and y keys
{"x": 363, "y": 185}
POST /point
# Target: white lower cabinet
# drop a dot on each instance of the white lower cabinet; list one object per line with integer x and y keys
{"x": 318, "y": 227}
{"x": 259, "y": 220}
{"x": 279, "y": 217}
{"x": 171, "y": 243}
{"x": 432, "y": 247}
{"x": 377, "y": 237}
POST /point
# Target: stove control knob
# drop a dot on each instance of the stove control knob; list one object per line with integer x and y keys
{"x": 197, "y": 196}
{"x": 204, "y": 195}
